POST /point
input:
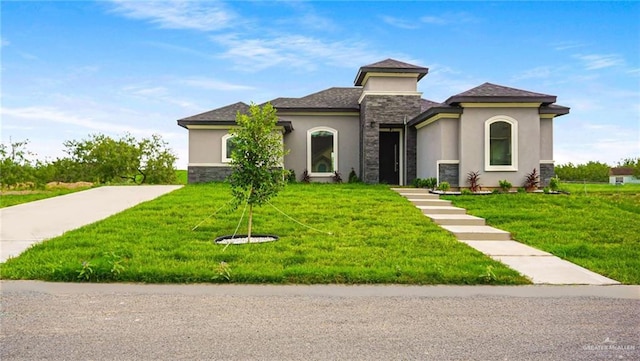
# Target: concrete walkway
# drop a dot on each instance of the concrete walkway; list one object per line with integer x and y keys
{"x": 25, "y": 224}
{"x": 539, "y": 266}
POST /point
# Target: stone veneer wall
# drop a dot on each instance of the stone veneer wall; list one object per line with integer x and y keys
{"x": 547, "y": 171}
{"x": 207, "y": 174}
{"x": 376, "y": 110}
{"x": 449, "y": 173}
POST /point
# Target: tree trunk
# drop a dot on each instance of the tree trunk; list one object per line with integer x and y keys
{"x": 250, "y": 223}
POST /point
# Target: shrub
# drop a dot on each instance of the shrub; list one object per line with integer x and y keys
{"x": 522, "y": 190}
{"x": 532, "y": 180}
{"x": 431, "y": 183}
{"x": 466, "y": 192}
{"x": 353, "y": 177}
{"x": 291, "y": 176}
{"x": 554, "y": 184}
{"x": 444, "y": 186}
{"x": 473, "y": 178}
{"x": 306, "y": 178}
{"x": 505, "y": 185}
{"x": 337, "y": 178}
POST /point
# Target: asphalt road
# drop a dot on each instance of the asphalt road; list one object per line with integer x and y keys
{"x": 49, "y": 321}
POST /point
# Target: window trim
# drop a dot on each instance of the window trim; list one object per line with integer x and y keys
{"x": 335, "y": 151}
{"x": 224, "y": 157}
{"x": 514, "y": 144}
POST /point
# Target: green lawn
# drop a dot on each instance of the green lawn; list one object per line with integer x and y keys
{"x": 7, "y": 200}
{"x": 599, "y": 230}
{"x": 363, "y": 234}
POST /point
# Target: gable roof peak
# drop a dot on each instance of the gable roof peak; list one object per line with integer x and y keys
{"x": 495, "y": 93}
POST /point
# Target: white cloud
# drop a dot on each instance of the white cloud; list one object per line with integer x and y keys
{"x": 566, "y": 45}
{"x": 180, "y": 49}
{"x": 444, "y": 81}
{"x": 598, "y": 61}
{"x": 634, "y": 72}
{"x": 213, "y": 84}
{"x": 434, "y": 20}
{"x": 158, "y": 94}
{"x": 449, "y": 18}
{"x": 4, "y": 42}
{"x": 296, "y": 51}
{"x": 53, "y": 115}
{"x": 179, "y": 14}
{"x": 539, "y": 72}
{"x": 399, "y": 23}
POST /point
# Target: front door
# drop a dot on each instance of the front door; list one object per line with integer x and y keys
{"x": 389, "y": 157}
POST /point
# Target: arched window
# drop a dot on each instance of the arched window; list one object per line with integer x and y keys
{"x": 322, "y": 151}
{"x": 501, "y": 144}
{"x": 227, "y": 148}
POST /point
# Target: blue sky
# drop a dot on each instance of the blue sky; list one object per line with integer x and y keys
{"x": 70, "y": 69}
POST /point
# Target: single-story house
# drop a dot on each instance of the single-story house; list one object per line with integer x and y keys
{"x": 622, "y": 175}
{"x": 384, "y": 130}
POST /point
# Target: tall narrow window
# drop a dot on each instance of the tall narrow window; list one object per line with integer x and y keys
{"x": 500, "y": 143}
{"x": 322, "y": 151}
{"x": 227, "y": 148}
{"x": 501, "y": 150}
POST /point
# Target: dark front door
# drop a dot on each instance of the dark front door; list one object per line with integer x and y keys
{"x": 389, "y": 157}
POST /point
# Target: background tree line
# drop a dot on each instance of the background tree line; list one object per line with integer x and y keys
{"x": 97, "y": 159}
{"x": 594, "y": 171}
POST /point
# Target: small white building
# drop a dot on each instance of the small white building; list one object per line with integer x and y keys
{"x": 622, "y": 175}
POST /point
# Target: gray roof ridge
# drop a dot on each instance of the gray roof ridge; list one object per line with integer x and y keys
{"x": 491, "y": 92}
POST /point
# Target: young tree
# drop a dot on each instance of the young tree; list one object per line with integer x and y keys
{"x": 15, "y": 167}
{"x": 257, "y": 159}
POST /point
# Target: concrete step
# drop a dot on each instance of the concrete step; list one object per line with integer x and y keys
{"x": 401, "y": 190}
{"x": 456, "y": 219}
{"x": 441, "y": 210}
{"x": 505, "y": 248}
{"x": 420, "y": 195}
{"x": 429, "y": 202}
{"x": 478, "y": 233}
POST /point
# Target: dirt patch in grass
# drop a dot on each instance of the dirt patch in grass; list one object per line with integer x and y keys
{"x": 48, "y": 186}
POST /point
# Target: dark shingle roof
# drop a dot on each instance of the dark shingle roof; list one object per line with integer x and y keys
{"x": 493, "y": 93}
{"x": 621, "y": 171}
{"x": 425, "y": 104}
{"x": 389, "y": 66}
{"x": 225, "y": 116}
{"x": 225, "y": 113}
{"x": 332, "y": 99}
{"x": 430, "y": 108}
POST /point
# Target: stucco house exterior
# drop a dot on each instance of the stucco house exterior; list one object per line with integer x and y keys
{"x": 622, "y": 175}
{"x": 384, "y": 130}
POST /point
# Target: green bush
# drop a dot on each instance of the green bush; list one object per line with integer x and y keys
{"x": 444, "y": 186}
{"x": 505, "y": 185}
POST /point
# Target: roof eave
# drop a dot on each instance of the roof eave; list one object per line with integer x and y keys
{"x": 455, "y": 100}
{"x": 364, "y": 70}
{"x": 287, "y": 125}
{"x": 315, "y": 109}
{"x": 431, "y": 112}
{"x": 557, "y": 110}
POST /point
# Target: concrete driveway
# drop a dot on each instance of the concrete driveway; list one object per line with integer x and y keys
{"x": 29, "y": 223}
